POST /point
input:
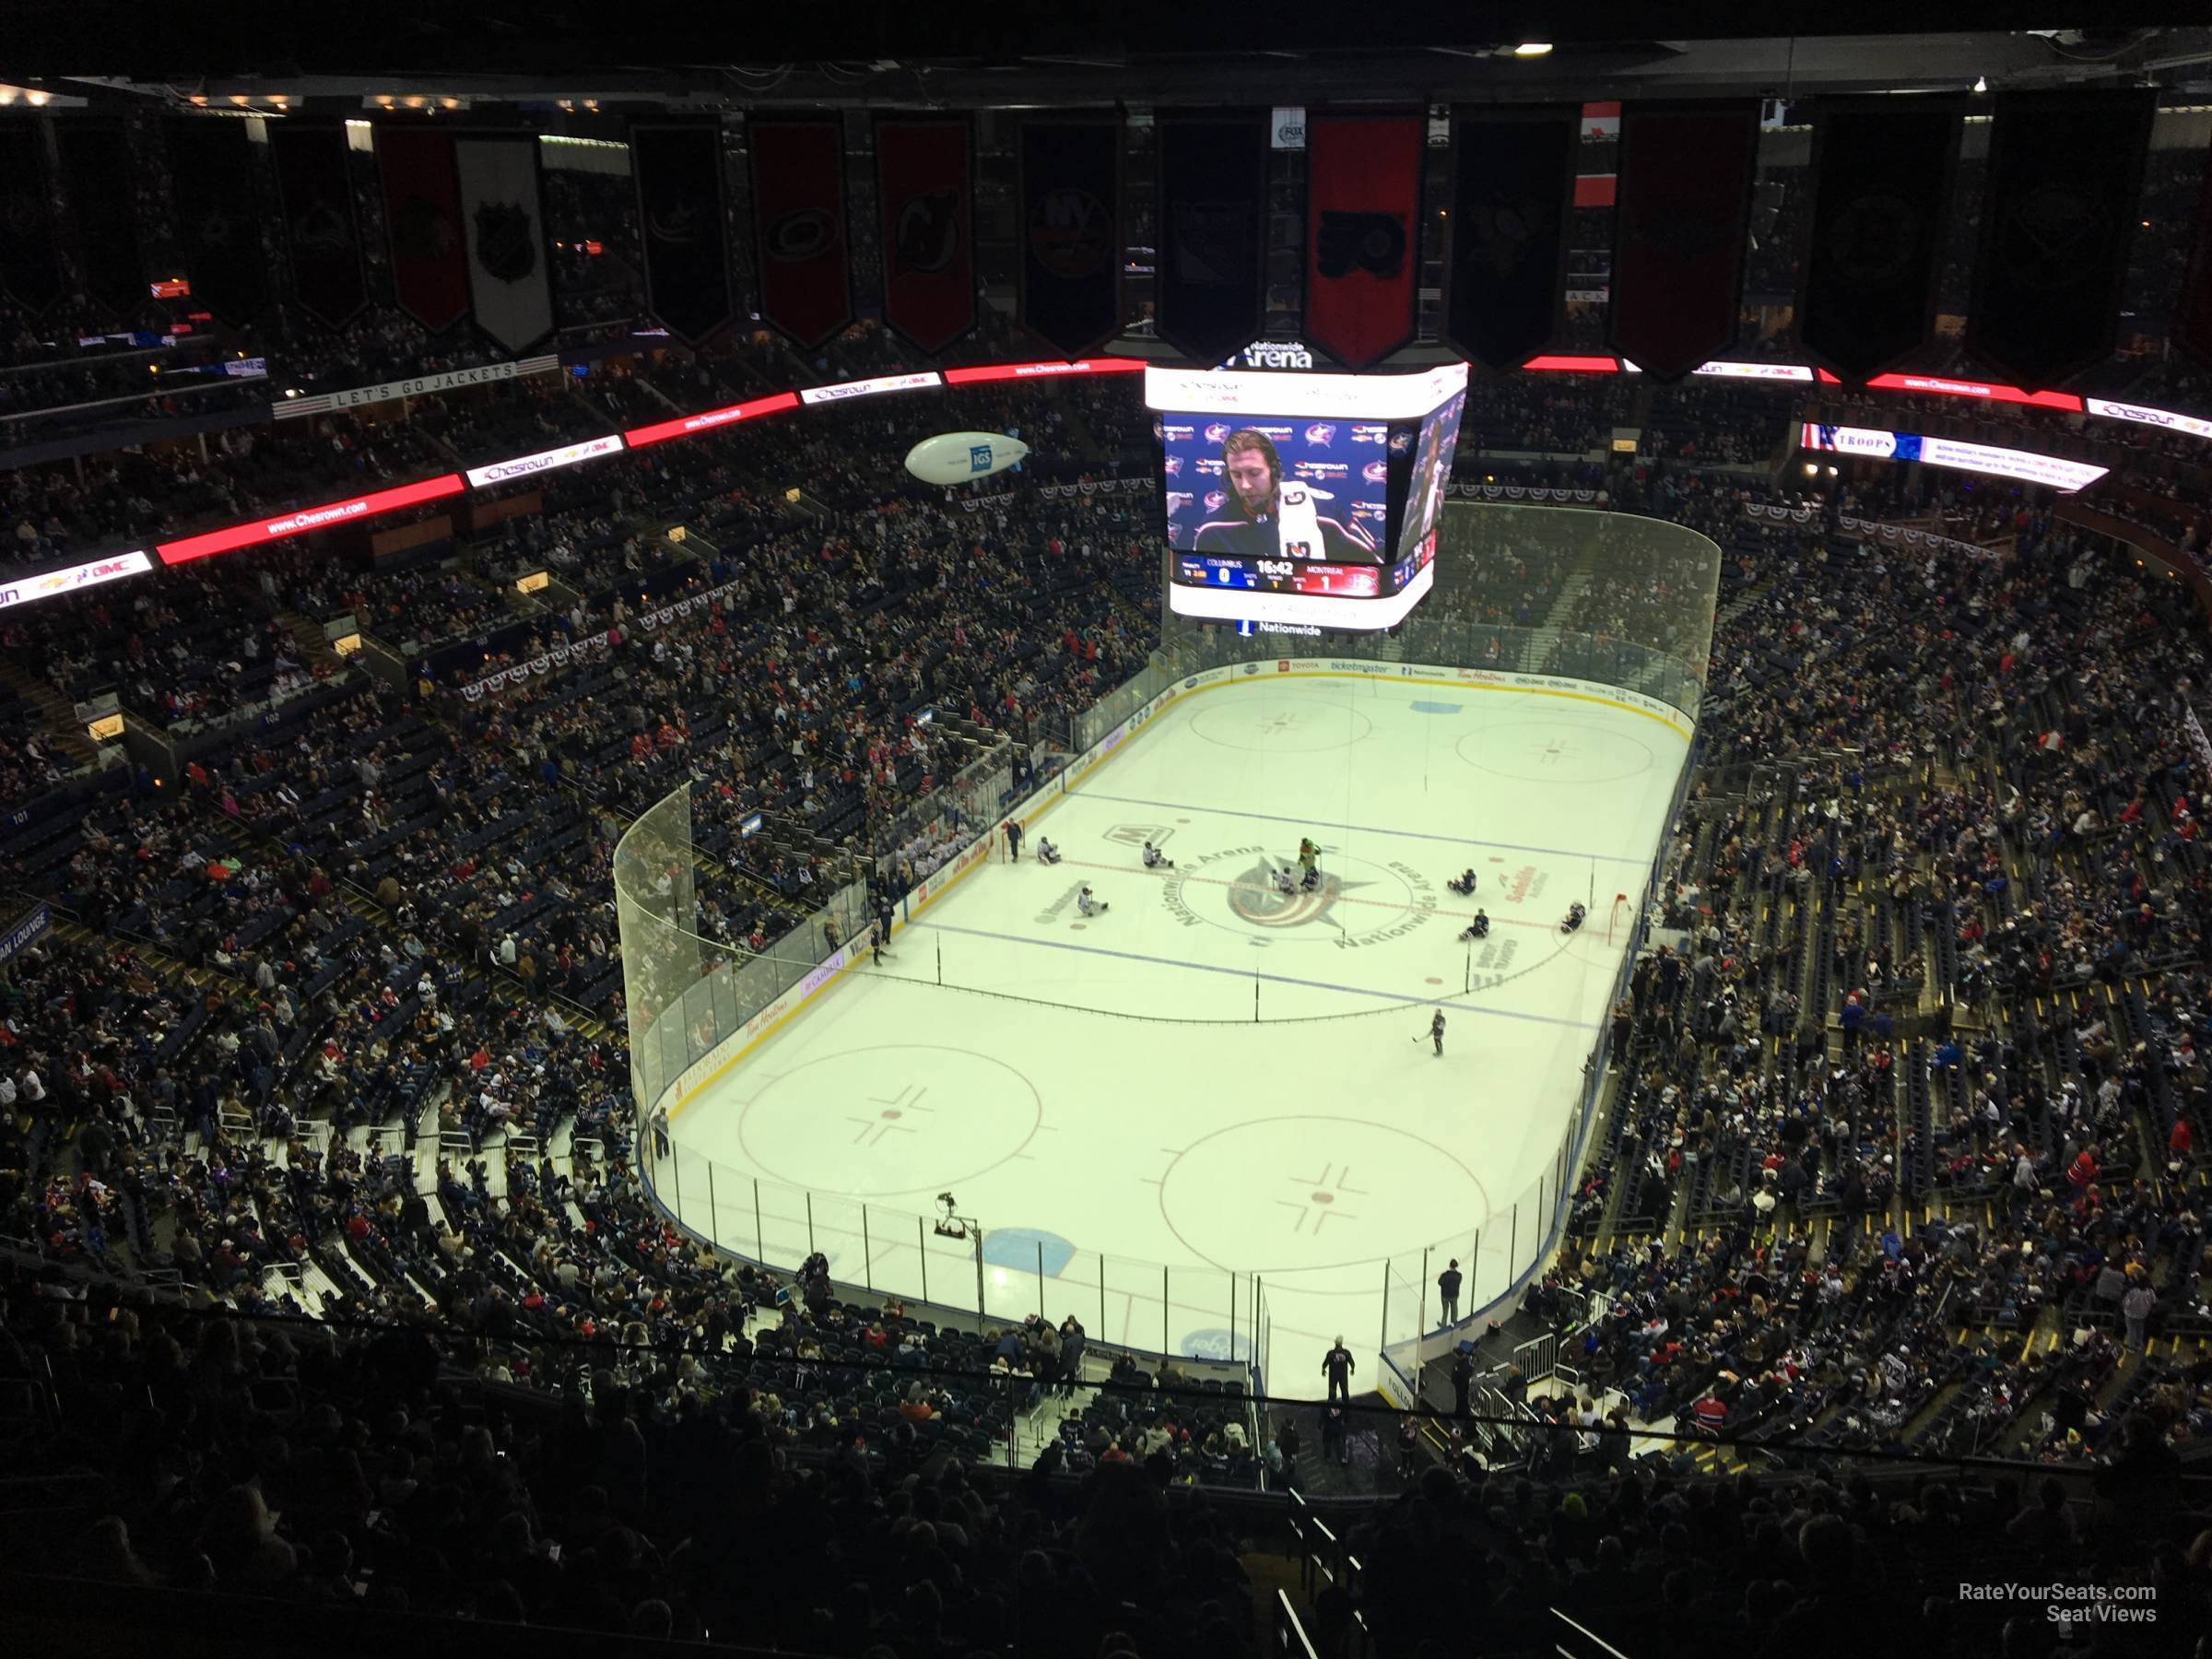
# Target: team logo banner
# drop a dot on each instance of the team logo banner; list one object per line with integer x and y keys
{"x": 96, "y": 172}
{"x": 925, "y": 197}
{"x": 1070, "y": 207}
{"x": 1513, "y": 196}
{"x": 211, "y": 169}
{"x": 799, "y": 225}
{"x": 1682, "y": 209}
{"x": 2190, "y": 324}
{"x": 31, "y": 268}
{"x": 428, "y": 249}
{"x": 320, "y": 232}
{"x": 1882, "y": 177}
{"x": 1211, "y": 287}
{"x": 1363, "y": 233}
{"x": 2057, "y": 216}
{"x": 681, "y": 225}
{"x": 503, "y": 228}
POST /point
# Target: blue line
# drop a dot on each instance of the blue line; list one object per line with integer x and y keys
{"x": 1242, "y": 973}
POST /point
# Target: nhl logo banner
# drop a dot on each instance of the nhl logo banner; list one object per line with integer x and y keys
{"x": 1882, "y": 176}
{"x": 211, "y": 169}
{"x": 1682, "y": 209}
{"x": 503, "y": 228}
{"x": 1211, "y": 288}
{"x": 799, "y": 225}
{"x": 31, "y": 268}
{"x": 1511, "y": 201}
{"x": 422, "y": 224}
{"x": 96, "y": 172}
{"x": 1070, "y": 207}
{"x": 1363, "y": 233}
{"x": 926, "y": 196}
{"x": 319, "y": 226}
{"x": 2190, "y": 326}
{"x": 681, "y": 225}
{"x": 2057, "y": 216}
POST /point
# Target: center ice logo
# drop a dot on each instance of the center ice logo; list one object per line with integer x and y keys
{"x": 1256, "y": 899}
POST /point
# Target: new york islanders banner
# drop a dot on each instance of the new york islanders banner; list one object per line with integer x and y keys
{"x": 2057, "y": 216}
{"x": 681, "y": 225}
{"x": 321, "y": 233}
{"x": 799, "y": 225}
{"x": 926, "y": 203}
{"x": 503, "y": 225}
{"x": 2189, "y": 324}
{"x": 1363, "y": 232}
{"x": 96, "y": 174}
{"x": 31, "y": 267}
{"x": 427, "y": 246}
{"x": 1069, "y": 204}
{"x": 1211, "y": 287}
{"x": 1512, "y": 200}
{"x": 211, "y": 169}
{"x": 1682, "y": 209}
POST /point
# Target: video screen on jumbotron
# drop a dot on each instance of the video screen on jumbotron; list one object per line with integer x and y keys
{"x": 1303, "y": 498}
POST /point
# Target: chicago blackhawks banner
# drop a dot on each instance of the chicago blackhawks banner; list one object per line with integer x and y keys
{"x": 1211, "y": 287}
{"x": 1363, "y": 233}
{"x": 319, "y": 227}
{"x": 1070, "y": 206}
{"x": 799, "y": 225}
{"x": 1682, "y": 208}
{"x": 1511, "y": 199}
{"x": 2190, "y": 324}
{"x": 422, "y": 224}
{"x": 31, "y": 268}
{"x": 95, "y": 172}
{"x": 211, "y": 169}
{"x": 681, "y": 225}
{"x": 502, "y": 219}
{"x": 926, "y": 199}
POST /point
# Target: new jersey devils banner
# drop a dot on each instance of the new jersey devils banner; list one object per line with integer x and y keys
{"x": 1881, "y": 177}
{"x": 799, "y": 225}
{"x": 320, "y": 230}
{"x": 2057, "y": 216}
{"x": 1363, "y": 233}
{"x": 1070, "y": 202}
{"x": 1682, "y": 209}
{"x": 95, "y": 172}
{"x": 424, "y": 241}
{"x": 503, "y": 227}
{"x": 1211, "y": 289}
{"x": 681, "y": 225}
{"x": 31, "y": 268}
{"x": 925, "y": 198}
{"x": 1511, "y": 199}
{"x": 211, "y": 169}
{"x": 2189, "y": 324}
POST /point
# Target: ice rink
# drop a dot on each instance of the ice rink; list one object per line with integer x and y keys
{"x": 1212, "y": 1082}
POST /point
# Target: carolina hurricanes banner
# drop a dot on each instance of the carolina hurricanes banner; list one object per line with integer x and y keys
{"x": 319, "y": 226}
{"x": 422, "y": 224}
{"x": 502, "y": 221}
{"x": 31, "y": 268}
{"x": 2057, "y": 216}
{"x": 681, "y": 225}
{"x": 2190, "y": 324}
{"x": 799, "y": 225}
{"x": 1511, "y": 201}
{"x": 1211, "y": 287}
{"x": 1881, "y": 180}
{"x": 1682, "y": 209}
{"x": 211, "y": 169}
{"x": 96, "y": 172}
{"x": 925, "y": 197}
{"x": 1363, "y": 233}
{"x": 1070, "y": 207}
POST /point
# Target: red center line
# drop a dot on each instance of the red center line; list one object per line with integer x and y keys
{"x": 1247, "y": 887}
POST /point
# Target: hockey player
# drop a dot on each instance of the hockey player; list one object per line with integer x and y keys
{"x": 1464, "y": 885}
{"x": 1086, "y": 904}
{"x": 876, "y": 943}
{"x": 1575, "y": 914}
{"x": 1477, "y": 929}
{"x": 1313, "y": 878}
{"x": 1284, "y": 882}
{"x": 1436, "y": 1032}
{"x": 1046, "y": 852}
{"x": 1156, "y": 860}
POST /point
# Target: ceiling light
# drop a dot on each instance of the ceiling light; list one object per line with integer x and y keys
{"x": 1532, "y": 49}
{"x": 1980, "y": 83}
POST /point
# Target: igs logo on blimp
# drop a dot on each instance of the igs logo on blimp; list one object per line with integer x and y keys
{"x": 956, "y": 457}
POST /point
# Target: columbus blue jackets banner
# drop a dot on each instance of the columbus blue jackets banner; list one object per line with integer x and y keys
{"x": 31, "y": 269}
{"x": 681, "y": 225}
{"x": 1363, "y": 233}
{"x": 1069, "y": 215}
{"x": 2190, "y": 322}
{"x": 211, "y": 169}
{"x": 2057, "y": 216}
{"x": 1881, "y": 180}
{"x": 503, "y": 225}
{"x": 1210, "y": 293}
{"x": 1511, "y": 201}
{"x": 1681, "y": 210}
{"x": 926, "y": 203}
{"x": 320, "y": 232}
{"x": 424, "y": 239}
{"x": 96, "y": 173}
{"x": 799, "y": 225}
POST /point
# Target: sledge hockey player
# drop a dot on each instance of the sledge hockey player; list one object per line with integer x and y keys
{"x": 1086, "y": 904}
{"x": 1284, "y": 883}
{"x": 1313, "y": 878}
{"x": 1462, "y": 885}
{"x": 1156, "y": 860}
{"x": 1477, "y": 929}
{"x": 1575, "y": 914}
{"x": 1046, "y": 852}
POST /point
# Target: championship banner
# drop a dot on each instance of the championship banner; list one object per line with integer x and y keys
{"x": 31, "y": 265}
{"x": 1069, "y": 200}
{"x": 2057, "y": 217}
{"x": 1512, "y": 202}
{"x": 1211, "y": 287}
{"x": 1683, "y": 210}
{"x": 502, "y": 221}
{"x": 799, "y": 225}
{"x": 95, "y": 172}
{"x": 422, "y": 224}
{"x": 2189, "y": 325}
{"x": 682, "y": 226}
{"x": 319, "y": 226}
{"x": 1881, "y": 181}
{"x": 211, "y": 169}
{"x": 1363, "y": 233}
{"x": 925, "y": 202}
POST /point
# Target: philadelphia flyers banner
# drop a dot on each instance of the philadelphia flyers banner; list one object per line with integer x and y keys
{"x": 2190, "y": 324}
{"x": 426, "y": 245}
{"x": 1512, "y": 202}
{"x": 320, "y": 230}
{"x": 96, "y": 172}
{"x": 799, "y": 225}
{"x": 1069, "y": 204}
{"x": 1681, "y": 211}
{"x": 925, "y": 200}
{"x": 1363, "y": 232}
{"x": 1211, "y": 287}
{"x": 211, "y": 169}
{"x": 681, "y": 225}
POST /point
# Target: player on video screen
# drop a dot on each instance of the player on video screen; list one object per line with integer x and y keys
{"x": 1275, "y": 517}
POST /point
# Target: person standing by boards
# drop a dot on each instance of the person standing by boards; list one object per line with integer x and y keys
{"x": 1013, "y": 841}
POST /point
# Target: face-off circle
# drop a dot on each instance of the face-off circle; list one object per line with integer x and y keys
{"x": 1554, "y": 751}
{"x": 1283, "y": 726}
